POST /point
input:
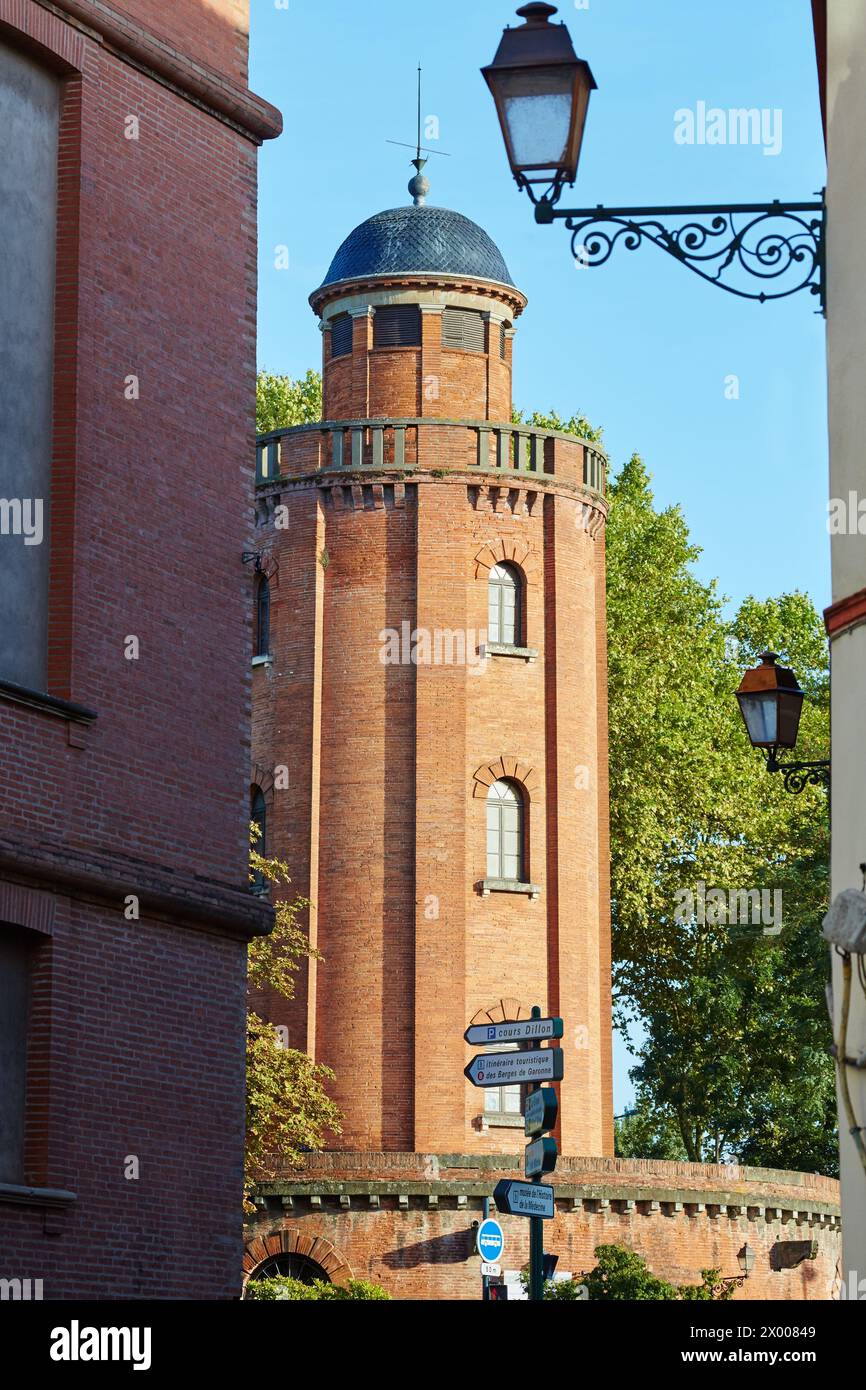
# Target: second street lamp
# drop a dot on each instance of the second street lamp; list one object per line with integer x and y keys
{"x": 542, "y": 89}
{"x": 771, "y": 703}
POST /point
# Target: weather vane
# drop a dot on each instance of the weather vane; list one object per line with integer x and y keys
{"x": 419, "y": 187}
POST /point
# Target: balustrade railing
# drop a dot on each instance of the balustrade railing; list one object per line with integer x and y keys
{"x": 428, "y": 444}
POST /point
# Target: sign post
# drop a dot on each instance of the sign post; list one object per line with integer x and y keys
{"x": 540, "y": 1158}
{"x": 530, "y": 1067}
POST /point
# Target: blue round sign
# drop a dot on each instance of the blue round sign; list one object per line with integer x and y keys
{"x": 491, "y": 1241}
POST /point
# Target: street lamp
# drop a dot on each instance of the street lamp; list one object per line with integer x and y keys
{"x": 542, "y": 89}
{"x": 771, "y": 703}
{"x": 746, "y": 1261}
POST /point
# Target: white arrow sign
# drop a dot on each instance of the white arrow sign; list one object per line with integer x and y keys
{"x": 513, "y": 1030}
{"x": 515, "y": 1068}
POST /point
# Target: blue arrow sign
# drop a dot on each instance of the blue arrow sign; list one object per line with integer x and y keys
{"x": 490, "y": 1241}
{"x": 524, "y": 1198}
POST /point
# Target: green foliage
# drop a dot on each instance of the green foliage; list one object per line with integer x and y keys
{"x": 734, "y": 1065}
{"x": 282, "y": 401}
{"x": 289, "y": 1111}
{"x": 281, "y": 1287}
{"x": 648, "y": 1133}
{"x": 563, "y": 1291}
{"x": 621, "y": 1274}
{"x": 735, "y": 1053}
{"x": 575, "y": 424}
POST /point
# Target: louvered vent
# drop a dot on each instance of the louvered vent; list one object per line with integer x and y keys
{"x": 341, "y": 335}
{"x": 463, "y": 328}
{"x": 397, "y": 326}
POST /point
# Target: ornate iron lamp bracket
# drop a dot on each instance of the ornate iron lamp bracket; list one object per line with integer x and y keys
{"x": 797, "y": 776}
{"x": 781, "y": 245}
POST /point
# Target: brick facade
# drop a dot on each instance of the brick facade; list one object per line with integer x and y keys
{"x": 396, "y": 876}
{"x": 405, "y": 1221}
{"x": 130, "y": 778}
{"x": 387, "y": 518}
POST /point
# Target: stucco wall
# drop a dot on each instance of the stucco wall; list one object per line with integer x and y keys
{"x": 846, "y": 113}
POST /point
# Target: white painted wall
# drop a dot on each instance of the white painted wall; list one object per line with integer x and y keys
{"x": 846, "y": 123}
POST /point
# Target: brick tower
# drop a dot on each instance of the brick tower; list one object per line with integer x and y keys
{"x": 433, "y": 690}
{"x": 429, "y": 751}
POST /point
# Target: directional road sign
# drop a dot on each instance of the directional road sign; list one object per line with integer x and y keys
{"x": 514, "y": 1030}
{"x": 524, "y": 1198}
{"x": 489, "y": 1240}
{"x": 540, "y": 1111}
{"x": 539, "y": 1157}
{"x": 515, "y": 1068}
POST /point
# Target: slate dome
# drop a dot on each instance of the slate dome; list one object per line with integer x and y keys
{"x": 418, "y": 239}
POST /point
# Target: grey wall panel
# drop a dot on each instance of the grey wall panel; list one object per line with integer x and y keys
{"x": 15, "y": 966}
{"x": 29, "y": 113}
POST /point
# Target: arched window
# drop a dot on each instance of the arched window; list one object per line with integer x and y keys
{"x": 505, "y": 835}
{"x": 293, "y": 1265}
{"x": 262, "y": 633}
{"x": 259, "y": 816}
{"x": 503, "y": 1105}
{"x": 504, "y": 609}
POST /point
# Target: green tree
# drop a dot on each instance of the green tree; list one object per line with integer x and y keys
{"x": 622, "y": 1275}
{"x": 645, "y": 1132}
{"x": 289, "y": 1112}
{"x": 282, "y": 401}
{"x": 736, "y": 1026}
{"x": 551, "y": 420}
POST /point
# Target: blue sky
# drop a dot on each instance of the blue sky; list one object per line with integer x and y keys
{"x": 640, "y": 345}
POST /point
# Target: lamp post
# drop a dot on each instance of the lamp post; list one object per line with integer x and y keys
{"x": 542, "y": 90}
{"x": 771, "y": 703}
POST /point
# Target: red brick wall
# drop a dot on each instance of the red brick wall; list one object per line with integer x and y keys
{"x": 149, "y": 517}
{"x": 416, "y": 381}
{"x": 215, "y": 32}
{"x": 400, "y": 821}
{"x": 143, "y": 1059}
{"x": 681, "y": 1217}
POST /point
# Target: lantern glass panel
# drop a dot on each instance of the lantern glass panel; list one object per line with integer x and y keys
{"x": 760, "y": 712}
{"x": 536, "y": 106}
{"x": 790, "y": 709}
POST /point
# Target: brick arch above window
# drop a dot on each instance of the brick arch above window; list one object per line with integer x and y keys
{"x": 292, "y": 1242}
{"x": 509, "y": 769}
{"x": 507, "y": 550}
{"x": 263, "y": 778}
{"x": 503, "y": 1010}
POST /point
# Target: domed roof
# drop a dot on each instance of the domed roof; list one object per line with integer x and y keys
{"x": 418, "y": 239}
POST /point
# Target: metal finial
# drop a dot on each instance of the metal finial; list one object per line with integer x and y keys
{"x": 419, "y": 186}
